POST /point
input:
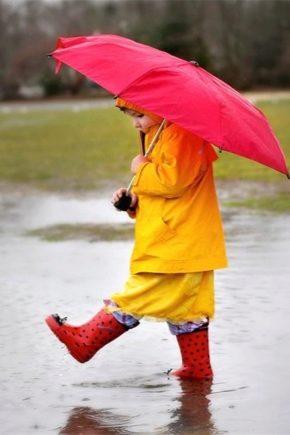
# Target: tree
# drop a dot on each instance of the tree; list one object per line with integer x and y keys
{"x": 245, "y": 42}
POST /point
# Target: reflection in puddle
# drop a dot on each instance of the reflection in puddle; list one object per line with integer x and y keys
{"x": 89, "y": 421}
{"x": 190, "y": 414}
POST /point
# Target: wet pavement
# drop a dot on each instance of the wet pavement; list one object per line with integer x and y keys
{"x": 124, "y": 389}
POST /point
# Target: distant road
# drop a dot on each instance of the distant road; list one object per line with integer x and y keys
{"x": 74, "y": 105}
{"x": 83, "y": 104}
{"x": 254, "y": 97}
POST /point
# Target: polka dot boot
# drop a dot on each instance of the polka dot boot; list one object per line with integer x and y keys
{"x": 85, "y": 340}
{"x": 194, "y": 351}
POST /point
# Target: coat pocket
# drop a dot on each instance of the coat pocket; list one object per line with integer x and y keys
{"x": 166, "y": 232}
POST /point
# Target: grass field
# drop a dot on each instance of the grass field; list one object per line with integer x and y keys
{"x": 91, "y": 149}
{"x": 65, "y": 150}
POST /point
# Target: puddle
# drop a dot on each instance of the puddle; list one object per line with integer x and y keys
{"x": 125, "y": 389}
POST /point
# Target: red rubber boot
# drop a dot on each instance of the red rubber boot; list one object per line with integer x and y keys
{"x": 85, "y": 340}
{"x": 194, "y": 351}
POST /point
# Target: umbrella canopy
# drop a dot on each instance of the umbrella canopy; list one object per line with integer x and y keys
{"x": 175, "y": 89}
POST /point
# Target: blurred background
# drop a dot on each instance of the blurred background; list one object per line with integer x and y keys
{"x": 244, "y": 42}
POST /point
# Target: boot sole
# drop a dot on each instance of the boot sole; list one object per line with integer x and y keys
{"x": 187, "y": 375}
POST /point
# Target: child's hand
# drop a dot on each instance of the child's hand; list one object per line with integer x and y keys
{"x": 137, "y": 161}
{"x": 118, "y": 194}
{"x": 123, "y": 191}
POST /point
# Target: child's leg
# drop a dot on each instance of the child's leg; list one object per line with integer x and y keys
{"x": 192, "y": 338}
{"x": 85, "y": 340}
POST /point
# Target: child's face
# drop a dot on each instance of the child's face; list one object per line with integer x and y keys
{"x": 140, "y": 121}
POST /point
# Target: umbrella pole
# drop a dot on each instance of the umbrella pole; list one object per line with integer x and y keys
{"x": 124, "y": 202}
{"x": 149, "y": 150}
{"x": 142, "y": 144}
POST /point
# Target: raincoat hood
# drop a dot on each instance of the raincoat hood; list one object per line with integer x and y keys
{"x": 123, "y": 104}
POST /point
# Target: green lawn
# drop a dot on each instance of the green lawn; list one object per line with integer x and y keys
{"x": 89, "y": 232}
{"x": 91, "y": 149}
{"x": 66, "y": 150}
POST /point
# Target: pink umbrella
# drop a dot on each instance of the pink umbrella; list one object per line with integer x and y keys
{"x": 175, "y": 89}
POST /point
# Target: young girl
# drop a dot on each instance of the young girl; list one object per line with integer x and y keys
{"x": 179, "y": 242}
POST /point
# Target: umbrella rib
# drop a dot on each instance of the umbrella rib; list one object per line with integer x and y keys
{"x": 185, "y": 62}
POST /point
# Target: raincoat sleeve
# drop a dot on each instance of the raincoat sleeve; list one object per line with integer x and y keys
{"x": 180, "y": 161}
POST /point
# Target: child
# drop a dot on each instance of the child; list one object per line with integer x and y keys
{"x": 178, "y": 243}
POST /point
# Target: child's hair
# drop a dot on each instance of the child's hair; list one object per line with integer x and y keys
{"x": 126, "y": 105}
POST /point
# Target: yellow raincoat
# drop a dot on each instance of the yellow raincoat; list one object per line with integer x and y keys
{"x": 179, "y": 238}
{"x": 178, "y": 224}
